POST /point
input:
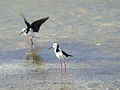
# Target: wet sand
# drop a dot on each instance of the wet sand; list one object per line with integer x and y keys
{"x": 87, "y": 29}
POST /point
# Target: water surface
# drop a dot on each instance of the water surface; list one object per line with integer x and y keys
{"x": 87, "y": 29}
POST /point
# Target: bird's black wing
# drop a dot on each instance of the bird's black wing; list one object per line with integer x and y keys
{"x": 27, "y": 23}
{"x": 36, "y": 25}
{"x": 65, "y": 53}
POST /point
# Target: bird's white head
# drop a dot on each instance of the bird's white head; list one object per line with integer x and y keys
{"x": 23, "y": 31}
{"x": 55, "y": 45}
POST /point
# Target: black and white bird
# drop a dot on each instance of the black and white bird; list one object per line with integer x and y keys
{"x": 33, "y": 28}
{"x": 60, "y": 54}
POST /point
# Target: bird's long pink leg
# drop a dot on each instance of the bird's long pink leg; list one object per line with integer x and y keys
{"x": 65, "y": 67}
{"x": 61, "y": 66}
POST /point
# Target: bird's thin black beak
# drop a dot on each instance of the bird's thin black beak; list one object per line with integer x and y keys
{"x": 49, "y": 47}
{"x": 20, "y": 33}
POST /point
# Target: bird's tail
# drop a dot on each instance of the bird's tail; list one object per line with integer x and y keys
{"x": 70, "y": 55}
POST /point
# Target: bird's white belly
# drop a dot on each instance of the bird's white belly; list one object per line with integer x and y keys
{"x": 31, "y": 34}
{"x": 60, "y": 56}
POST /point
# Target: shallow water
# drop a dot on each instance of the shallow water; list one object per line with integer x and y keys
{"x": 87, "y": 29}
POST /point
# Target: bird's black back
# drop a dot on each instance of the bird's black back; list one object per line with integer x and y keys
{"x": 64, "y": 53}
{"x": 36, "y": 25}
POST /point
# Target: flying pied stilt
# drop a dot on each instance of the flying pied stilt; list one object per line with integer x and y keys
{"x": 60, "y": 54}
{"x": 32, "y": 28}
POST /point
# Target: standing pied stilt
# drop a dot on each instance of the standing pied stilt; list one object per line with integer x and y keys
{"x": 60, "y": 54}
{"x": 32, "y": 28}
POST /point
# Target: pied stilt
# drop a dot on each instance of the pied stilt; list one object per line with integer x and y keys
{"x": 60, "y": 54}
{"x": 32, "y": 28}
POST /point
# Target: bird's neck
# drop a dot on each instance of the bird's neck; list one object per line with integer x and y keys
{"x": 57, "y": 49}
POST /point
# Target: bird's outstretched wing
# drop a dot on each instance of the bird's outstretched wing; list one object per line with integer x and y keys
{"x": 26, "y": 22}
{"x": 36, "y": 25}
{"x": 65, "y": 53}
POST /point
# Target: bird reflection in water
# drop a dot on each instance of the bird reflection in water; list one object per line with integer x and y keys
{"x": 33, "y": 57}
